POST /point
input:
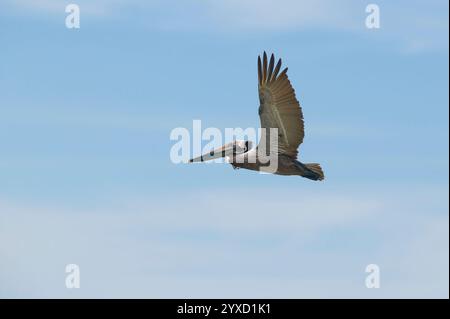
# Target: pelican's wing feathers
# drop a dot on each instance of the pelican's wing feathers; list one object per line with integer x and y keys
{"x": 279, "y": 107}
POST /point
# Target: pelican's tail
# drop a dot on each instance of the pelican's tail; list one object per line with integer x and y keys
{"x": 314, "y": 172}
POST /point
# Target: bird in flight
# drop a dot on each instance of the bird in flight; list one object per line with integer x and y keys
{"x": 279, "y": 112}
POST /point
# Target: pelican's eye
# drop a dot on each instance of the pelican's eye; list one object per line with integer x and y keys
{"x": 211, "y": 153}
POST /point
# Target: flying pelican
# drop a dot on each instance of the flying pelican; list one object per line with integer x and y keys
{"x": 279, "y": 109}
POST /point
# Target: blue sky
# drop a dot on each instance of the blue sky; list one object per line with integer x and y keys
{"x": 86, "y": 178}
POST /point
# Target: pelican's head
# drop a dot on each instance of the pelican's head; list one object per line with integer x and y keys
{"x": 228, "y": 150}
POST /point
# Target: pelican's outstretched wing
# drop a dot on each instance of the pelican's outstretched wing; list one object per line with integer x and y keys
{"x": 279, "y": 107}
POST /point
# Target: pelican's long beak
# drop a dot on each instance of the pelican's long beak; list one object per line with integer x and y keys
{"x": 223, "y": 151}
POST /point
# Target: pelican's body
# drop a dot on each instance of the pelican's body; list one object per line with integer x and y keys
{"x": 280, "y": 110}
{"x": 286, "y": 165}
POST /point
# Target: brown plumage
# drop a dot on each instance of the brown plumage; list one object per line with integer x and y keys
{"x": 280, "y": 109}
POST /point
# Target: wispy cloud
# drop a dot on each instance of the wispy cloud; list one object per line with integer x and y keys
{"x": 97, "y": 8}
{"x": 419, "y": 27}
{"x": 229, "y": 245}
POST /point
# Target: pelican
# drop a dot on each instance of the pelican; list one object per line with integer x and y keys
{"x": 279, "y": 109}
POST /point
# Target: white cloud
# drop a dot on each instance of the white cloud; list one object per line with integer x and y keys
{"x": 247, "y": 14}
{"x": 97, "y": 8}
{"x": 416, "y": 27}
{"x": 282, "y": 15}
{"x": 230, "y": 243}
